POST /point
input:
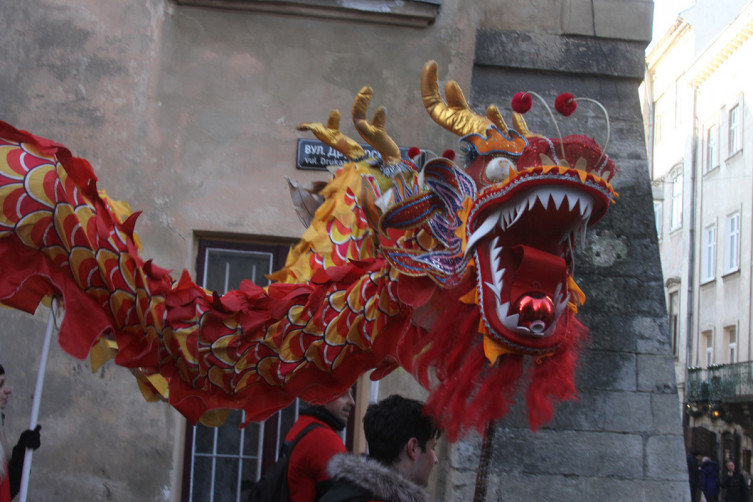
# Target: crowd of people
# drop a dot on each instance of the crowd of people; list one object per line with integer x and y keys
{"x": 705, "y": 483}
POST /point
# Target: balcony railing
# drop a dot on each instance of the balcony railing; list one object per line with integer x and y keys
{"x": 721, "y": 382}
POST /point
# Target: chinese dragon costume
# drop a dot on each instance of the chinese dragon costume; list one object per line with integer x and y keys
{"x": 460, "y": 274}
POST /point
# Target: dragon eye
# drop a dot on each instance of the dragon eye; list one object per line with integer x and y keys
{"x": 497, "y": 169}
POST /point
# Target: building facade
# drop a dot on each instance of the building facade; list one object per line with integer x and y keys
{"x": 701, "y": 155}
{"x": 187, "y": 110}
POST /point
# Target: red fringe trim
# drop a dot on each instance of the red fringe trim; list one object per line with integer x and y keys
{"x": 466, "y": 392}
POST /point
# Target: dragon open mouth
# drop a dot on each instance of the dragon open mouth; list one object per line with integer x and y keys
{"x": 523, "y": 234}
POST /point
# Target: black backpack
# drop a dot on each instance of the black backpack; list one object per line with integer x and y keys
{"x": 273, "y": 485}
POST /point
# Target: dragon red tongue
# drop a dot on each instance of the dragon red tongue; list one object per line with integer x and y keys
{"x": 538, "y": 273}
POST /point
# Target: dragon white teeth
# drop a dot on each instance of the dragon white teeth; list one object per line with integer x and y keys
{"x": 532, "y": 198}
{"x": 510, "y": 213}
{"x": 487, "y": 226}
{"x": 586, "y": 211}
{"x": 495, "y": 259}
{"x": 543, "y": 196}
{"x": 502, "y": 310}
{"x": 494, "y": 289}
{"x": 494, "y": 252}
{"x": 558, "y": 196}
{"x": 503, "y": 219}
{"x": 517, "y": 217}
{"x": 561, "y": 306}
{"x": 511, "y": 323}
{"x": 498, "y": 275}
{"x": 582, "y": 232}
{"x": 493, "y": 249}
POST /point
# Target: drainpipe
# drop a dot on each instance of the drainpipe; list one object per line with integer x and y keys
{"x": 691, "y": 240}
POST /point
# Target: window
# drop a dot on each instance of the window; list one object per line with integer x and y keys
{"x": 708, "y": 253}
{"x": 708, "y": 338}
{"x": 730, "y": 335}
{"x": 676, "y": 202}
{"x": 220, "y": 459}
{"x": 658, "y": 215}
{"x": 732, "y": 243}
{"x": 712, "y": 148}
{"x": 674, "y": 319}
{"x": 735, "y": 129}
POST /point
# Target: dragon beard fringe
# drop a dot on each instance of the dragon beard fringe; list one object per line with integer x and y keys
{"x": 467, "y": 392}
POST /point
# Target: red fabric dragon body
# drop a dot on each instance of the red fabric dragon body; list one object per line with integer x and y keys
{"x": 460, "y": 275}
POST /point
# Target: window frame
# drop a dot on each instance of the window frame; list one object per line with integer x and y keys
{"x": 675, "y": 221}
{"x": 708, "y": 254}
{"x": 658, "y": 217}
{"x": 732, "y": 243}
{"x": 734, "y": 130}
{"x": 712, "y": 155}
{"x": 732, "y": 352}
{"x": 708, "y": 335}
{"x": 270, "y": 431}
{"x": 674, "y": 320}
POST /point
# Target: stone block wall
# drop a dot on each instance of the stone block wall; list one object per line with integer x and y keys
{"x": 622, "y": 439}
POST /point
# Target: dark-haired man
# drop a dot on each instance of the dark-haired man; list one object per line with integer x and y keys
{"x": 401, "y": 457}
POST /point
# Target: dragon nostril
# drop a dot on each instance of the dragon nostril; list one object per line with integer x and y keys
{"x": 537, "y": 326}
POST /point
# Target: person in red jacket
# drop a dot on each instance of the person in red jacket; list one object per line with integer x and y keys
{"x": 11, "y": 465}
{"x": 307, "y": 469}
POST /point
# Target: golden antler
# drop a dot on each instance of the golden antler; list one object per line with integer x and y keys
{"x": 332, "y": 136}
{"x": 492, "y": 113}
{"x": 455, "y": 116}
{"x": 374, "y": 133}
{"x": 519, "y": 124}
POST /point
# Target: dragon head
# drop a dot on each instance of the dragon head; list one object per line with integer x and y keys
{"x": 534, "y": 196}
{"x": 478, "y": 256}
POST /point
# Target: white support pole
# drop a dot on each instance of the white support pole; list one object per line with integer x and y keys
{"x": 37, "y": 400}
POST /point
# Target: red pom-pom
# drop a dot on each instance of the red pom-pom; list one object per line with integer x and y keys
{"x": 565, "y": 104}
{"x": 522, "y": 102}
{"x": 413, "y": 151}
{"x": 449, "y": 154}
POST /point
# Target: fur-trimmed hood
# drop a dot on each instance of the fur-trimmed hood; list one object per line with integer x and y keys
{"x": 383, "y": 482}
